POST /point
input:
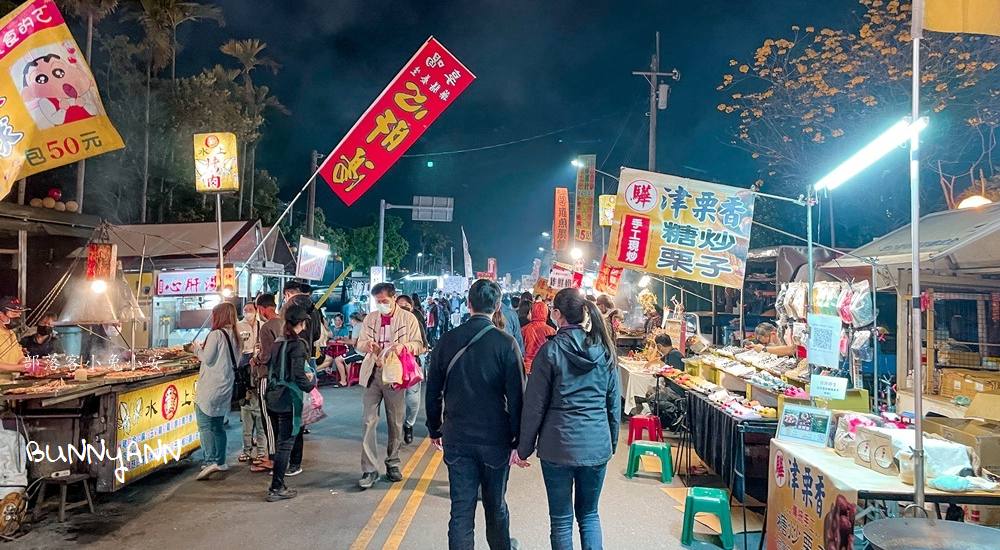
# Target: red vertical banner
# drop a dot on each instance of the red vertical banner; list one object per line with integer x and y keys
{"x": 560, "y": 228}
{"x": 583, "y": 227}
{"x": 608, "y": 278}
{"x": 491, "y": 267}
{"x": 634, "y": 241}
{"x": 426, "y": 86}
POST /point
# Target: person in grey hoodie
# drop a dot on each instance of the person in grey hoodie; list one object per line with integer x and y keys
{"x": 571, "y": 415}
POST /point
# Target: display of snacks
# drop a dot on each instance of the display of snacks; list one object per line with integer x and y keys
{"x": 43, "y": 387}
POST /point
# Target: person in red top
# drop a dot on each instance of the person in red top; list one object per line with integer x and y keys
{"x": 536, "y": 333}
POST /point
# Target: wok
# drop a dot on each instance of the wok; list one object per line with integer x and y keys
{"x": 926, "y": 534}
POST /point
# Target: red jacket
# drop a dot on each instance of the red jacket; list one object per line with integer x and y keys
{"x": 536, "y": 333}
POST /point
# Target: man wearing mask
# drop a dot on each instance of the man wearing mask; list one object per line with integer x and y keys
{"x": 250, "y": 413}
{"x": 273, "y": 327}
{"x": 387, "y": 328}
{"x": 11, "y": 357}
{"x": 44, "y": 342}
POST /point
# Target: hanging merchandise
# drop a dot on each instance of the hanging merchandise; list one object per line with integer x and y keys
{"x": 862, "y": 309}
{"x": 844, "y": 304}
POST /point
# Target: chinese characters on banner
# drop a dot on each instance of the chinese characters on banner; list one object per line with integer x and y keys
{"x": 608, "y": 278}
{"x": 491, "y": 267}
{"x": 50, "y": 111}
{"x": 215, "y": 167}
{"x": 468, "y": 257}
{"x": 583, "y": 226}
{"x": 606, "y": 210}
{"x": 683, "y": 228}
{"x": 560, "y": 226}
{"x": 811, "y": 508}
{"x": 429, "y": 83}
{"x": 536, "y": 266}
{"x": 560, "y": 276}
{"x": 543, "y": 289}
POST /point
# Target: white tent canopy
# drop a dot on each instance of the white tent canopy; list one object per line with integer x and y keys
{"x": 951, "y": 242}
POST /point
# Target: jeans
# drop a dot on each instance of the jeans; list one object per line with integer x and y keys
{"x": 469, "y": 468}
{"x": 212, "y": 432}
{"x": 560, "y": 482}
{"x": 253, "y": 426}
{"x": 284, "y": 443}
{"x": 295, "y": 457}
{"x": 412, "y": 406}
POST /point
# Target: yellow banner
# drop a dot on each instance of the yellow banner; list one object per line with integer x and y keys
{"x": 50, "y": 110}
{"x": 965, "y": 16}
{"x": 215, "y": 166}
{"x": 682, "y": 228}
{"x": 583, "y": 222}
{"x": 155, "y": 426}
{"x": 606, "y": 210}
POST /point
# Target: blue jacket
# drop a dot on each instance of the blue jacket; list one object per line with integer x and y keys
{"x": 512, "y": 325}
{"x": 572, "y": 402}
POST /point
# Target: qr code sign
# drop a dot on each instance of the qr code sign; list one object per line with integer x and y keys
{"x": 822, "y": 338}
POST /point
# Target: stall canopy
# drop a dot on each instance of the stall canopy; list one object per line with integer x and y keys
{"x": 951, "y": 242}
{"x": 194, "y": 245}
{"x": 790, "y": 262}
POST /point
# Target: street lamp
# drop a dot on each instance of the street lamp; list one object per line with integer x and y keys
{"x": 975, "y": 201}
{"x": 546, "y": 234}
{"x": 576, "y": 253}
{"x": 578, "y": 164}
{"x": 644, "y": 281}
{"x": 541, "y": 249}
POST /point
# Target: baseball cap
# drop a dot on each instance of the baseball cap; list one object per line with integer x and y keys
{"x": 10, "y": 303}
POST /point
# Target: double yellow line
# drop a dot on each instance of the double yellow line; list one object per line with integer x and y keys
{"x": 412, "y": 504}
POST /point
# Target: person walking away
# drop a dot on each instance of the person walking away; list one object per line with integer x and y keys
{"x": 412, "y": 393}
{"x": 272, "y": 329}
{"x": 473, "y": 403}
{"x": 44, "y": 341}
{"x": 571, "y": 416}
{"x": 388, "y": 328}
{"x": 612, "y": 315}
{"x": 11, "y": 356}
{"x": 536, "y": 333}
{"x": 288, "y": 384}
{"x": 433, "y": 318}
{"x": 215, "y": 386}
{"x": 511, "y": 324}
{"x": 524, "y": 309}
{"x": 254, "y": 438}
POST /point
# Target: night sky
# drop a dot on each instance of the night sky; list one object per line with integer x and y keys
{"x": 542, "y": 67}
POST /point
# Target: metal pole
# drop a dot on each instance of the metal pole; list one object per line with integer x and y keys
{"x": 453, "y": 261}
{"x": 218, "y": 222}
{"x": 22, "y": 266}
{"x": 833, "y": 229}
{"x": 654, "y": 81}
{"x": 311, "y": 204}
{"x": 875, "y": 347}
{"x": 810, "y": 196}
{"x": 915, "y": 340}
{"x": 381, "y": 230}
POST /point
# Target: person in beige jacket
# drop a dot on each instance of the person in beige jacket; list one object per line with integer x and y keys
{"x": 389, "y": 327}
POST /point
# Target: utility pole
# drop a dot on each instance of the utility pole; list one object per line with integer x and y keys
{"x": 311, "y": 206}
{"x": 658, "y": 95}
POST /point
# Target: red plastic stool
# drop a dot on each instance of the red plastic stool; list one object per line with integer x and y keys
{"x": 647, "y": 422}
{"x": 353, "y": 374}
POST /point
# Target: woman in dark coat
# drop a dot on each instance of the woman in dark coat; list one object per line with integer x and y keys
{"x": 571, "y": 415}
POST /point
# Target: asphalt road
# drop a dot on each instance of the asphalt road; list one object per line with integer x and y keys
{"x": 171, "y": 508}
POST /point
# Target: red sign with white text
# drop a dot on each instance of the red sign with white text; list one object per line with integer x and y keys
{"x": 426, "y": 86}
{"x": 634, "y": 240}
{"x": 608, "y": 278}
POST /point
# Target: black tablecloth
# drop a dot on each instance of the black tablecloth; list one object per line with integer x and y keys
{"x": 729, "y": 445}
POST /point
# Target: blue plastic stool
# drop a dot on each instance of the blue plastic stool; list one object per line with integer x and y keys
{"x": 710, "y": 501}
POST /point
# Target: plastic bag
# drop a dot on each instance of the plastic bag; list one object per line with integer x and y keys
{"x": 392, "y": 369}
{"x": 412, "y": 373}
{"x": 861, "y": 347}
{"x": 844, "y": 304}
{"x": 862, "y": 309}
{"x": 312, "y": 407}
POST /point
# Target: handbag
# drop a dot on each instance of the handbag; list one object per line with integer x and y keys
{"x": 413, "y": 374}
{"x": 241, "y": 380}
{"x": 312, "y": 408}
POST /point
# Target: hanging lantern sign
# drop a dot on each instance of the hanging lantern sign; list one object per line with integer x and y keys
{"x": 216, "y": 169}
{"x": 102, "y": 261}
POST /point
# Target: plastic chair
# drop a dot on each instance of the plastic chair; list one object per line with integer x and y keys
{"x": 709, "y": 501}
{"x": 353, "y": 374}
{"x": 647, "y": 422}
{"x": 652, "y": 448}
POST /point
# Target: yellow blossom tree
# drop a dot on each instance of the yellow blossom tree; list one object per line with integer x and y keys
{"x": 806, "y": 101}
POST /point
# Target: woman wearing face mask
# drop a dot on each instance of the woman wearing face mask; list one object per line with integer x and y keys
{"x": 44, "y": 342}
{"x": 571, "y": 410}
{"x": 413, "y": 393}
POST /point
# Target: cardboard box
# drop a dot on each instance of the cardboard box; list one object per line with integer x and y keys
{"x": 980, "y": 430}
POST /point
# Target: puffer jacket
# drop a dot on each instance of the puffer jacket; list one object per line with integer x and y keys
{"x": 572, "y": 402}
{"x": 536, "y": 333}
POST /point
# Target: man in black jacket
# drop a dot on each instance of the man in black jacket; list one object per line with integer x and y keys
{"x": 474, "y": 410}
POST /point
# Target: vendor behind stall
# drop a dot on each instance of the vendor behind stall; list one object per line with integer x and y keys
{"x": 44, "y": 341}
{"x": 768, "y": 341}
{"x": 670, "y": 355}
{"x": 11, "y": 356}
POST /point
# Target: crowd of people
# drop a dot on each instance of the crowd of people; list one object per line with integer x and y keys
{"x": 506, "y": 378}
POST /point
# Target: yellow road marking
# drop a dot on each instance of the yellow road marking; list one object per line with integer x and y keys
{"x": 390, "y": 497}
{"x": 410, "y": 510}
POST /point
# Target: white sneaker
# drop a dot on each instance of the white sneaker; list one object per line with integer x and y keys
{"x": 223, "y": 467}
{"x": 208, "y": 471}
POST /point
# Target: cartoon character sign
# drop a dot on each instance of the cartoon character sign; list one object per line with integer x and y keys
{"x": 55, "y": 86}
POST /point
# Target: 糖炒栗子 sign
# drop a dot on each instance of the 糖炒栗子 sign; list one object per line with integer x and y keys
{"x": 682, "y": 228}
{"x": 428, "y": 84}
{"x": 50, "y": 109}
{"x": 584, "y": 220}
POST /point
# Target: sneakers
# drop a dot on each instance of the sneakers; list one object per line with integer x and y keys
{"x": 407, "y": 434}
{"x": 393, "y": 474}
{"x": 293, "y": 471}
{"x": 223, "y": 467}
{"x": 284, "y": 494}
{"x": 368, "y": 479}
{"x": 207, "y": 471}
